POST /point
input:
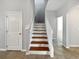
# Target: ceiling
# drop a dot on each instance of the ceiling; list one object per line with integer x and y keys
{"x": 55, "y": 4}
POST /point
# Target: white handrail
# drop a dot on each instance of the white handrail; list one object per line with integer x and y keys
{"x": 31, "y": 29}
{"x": 50, "y": 37}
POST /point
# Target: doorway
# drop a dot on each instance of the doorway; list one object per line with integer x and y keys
{"x": 60, "y": 30}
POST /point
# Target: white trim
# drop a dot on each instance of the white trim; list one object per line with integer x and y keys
{"x": 50, "y": 37}
{"x": 20, "y": 14}
{"x": 71, "y": 46}
{"x": 23, "y": 50}
{"x": 3, "y": 49}
{"x": 27, "y": 53}
{"x": 67, "y": 47}
{"x": 74, "y": 45}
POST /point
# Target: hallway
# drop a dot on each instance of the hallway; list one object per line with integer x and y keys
{"x": 60, "y": 53}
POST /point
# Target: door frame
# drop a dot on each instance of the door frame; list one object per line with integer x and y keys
{"x": 6, "y": 47}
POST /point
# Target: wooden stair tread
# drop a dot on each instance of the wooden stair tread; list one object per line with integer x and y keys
{"x": 39, "y": 30}
{"x": 39, "y": 27}
{"x": 39, "y": 48}
{"x": 42, "y": 37}
{"x": 39, "y": 42}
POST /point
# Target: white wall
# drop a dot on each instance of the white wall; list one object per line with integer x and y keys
{"x": 72, "y": 18}
{"x": 66, "y": 7}
{"x": 27, "y": 19}
{"x": 2, "y": 31}
{"x": 27, "y": 14}
{"x": 62, "y": 11}
{"x": 51, "y": 17}
{"x": 65, "y": 41}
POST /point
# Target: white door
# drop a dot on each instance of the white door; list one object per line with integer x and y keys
{"x": 14, "y": 30}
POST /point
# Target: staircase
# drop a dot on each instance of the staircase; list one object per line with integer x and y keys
{"x": 39, "y": 41}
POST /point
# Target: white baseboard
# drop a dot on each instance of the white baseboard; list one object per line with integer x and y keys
{"x": 23, "y": 50}
{"x": 3, "y": 49}
{"x": 74, "y": 45}
{"x": 27, "y": 53}
{"x": 67, "y": 47}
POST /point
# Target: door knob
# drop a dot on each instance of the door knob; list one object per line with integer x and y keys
{"x": 19, "y": 33}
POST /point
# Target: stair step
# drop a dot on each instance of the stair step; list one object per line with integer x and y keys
{"x": 39, "y": 23}
{"x": 39, "y": 33}
{"x": 39, "y": 45}
{"x": 39, "y": 37}
{"x": 36, "y": 35}
{"x": 40, "y": 30}
{"x": 39, "y": 48}
{"x": 39, "y": 27}
{"x": 39, "y": 52}
{"x": 39, "y": 42}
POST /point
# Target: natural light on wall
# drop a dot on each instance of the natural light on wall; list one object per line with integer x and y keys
{"x": 59, "y": 29}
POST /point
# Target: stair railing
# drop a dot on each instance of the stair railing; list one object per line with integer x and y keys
{"x": 31, "y": 30}
{"x": 30, "y": 35}
{"x": 50, "y": 38}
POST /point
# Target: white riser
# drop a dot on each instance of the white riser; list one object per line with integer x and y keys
{"x": 39, "y": 52}
{"x": 39, "y": 25}
{"x": 39, "y": 45}
{"x": 39, "y": 31}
